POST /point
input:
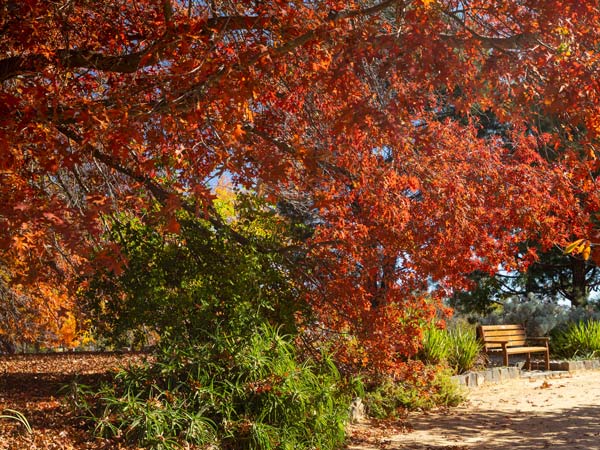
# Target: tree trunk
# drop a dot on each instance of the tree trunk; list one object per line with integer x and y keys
{"x": 579, "y": 288}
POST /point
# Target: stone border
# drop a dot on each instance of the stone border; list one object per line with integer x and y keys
{"x": 494, "y": 375}
{"x": 571, "y": 366}
{"x": 497, "y": 375}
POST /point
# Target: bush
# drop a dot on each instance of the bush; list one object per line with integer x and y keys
{"x": 463, "y": 349}
{"x": 390, "y": 399}
{"x": 458, "y": 347}
{"x": 540, "y": 317}
{"x": 577, "y": 340}
{"x": 436, "y": 346}
{"x": 198, "y": 281}
{"x": 232, "y": 393}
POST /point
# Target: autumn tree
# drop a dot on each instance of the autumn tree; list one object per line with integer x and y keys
{"x": 333, "y": 107}
{"x": 556, "y": 275}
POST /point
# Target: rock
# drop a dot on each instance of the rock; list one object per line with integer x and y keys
{"x": 357, "y": 410}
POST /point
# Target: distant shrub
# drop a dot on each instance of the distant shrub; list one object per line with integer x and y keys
{"x": 577, "y": 340}
{"x": 540, "y": 317}
{"x": 573, "y": 331}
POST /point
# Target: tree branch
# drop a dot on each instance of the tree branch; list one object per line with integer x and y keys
{"x": 514, "y": 42}
{"x": 83, "y": 58}
{"x": 129, "y": 63}
{"x": 187, "y": 99}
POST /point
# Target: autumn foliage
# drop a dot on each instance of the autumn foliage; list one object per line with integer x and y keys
{"x": 371, "y": 120}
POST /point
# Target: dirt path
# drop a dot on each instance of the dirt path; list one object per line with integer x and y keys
{"x": 519, "y": 415}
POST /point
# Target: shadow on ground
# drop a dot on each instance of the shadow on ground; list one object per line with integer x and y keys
{"x": 573, "y": 428}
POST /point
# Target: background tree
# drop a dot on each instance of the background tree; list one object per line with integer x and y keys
{"x": 197, "y": 283}
{"x": 554, "y": 277}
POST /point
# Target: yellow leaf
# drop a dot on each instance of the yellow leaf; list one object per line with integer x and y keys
{"x": 581, "y": 247}
{"x": 586, "y": 252}
{"x": 248, "y": 114}
{"x": 572, "y": 246}
{"x": 591, "y": 153}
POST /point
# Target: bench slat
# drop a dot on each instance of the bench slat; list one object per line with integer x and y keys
{"x": 511, "y": 343}
{"x": 501, "y": 327}
{"x": 495, "y": 334}
{"x": 514, "y": 351}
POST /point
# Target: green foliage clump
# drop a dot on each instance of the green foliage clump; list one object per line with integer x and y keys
{"x": 199, "y": 280}
{"x": 538, "y": 316}
{"x": 577, "y": 340}
{"x": 388, "y": 398}
{"x": 227, "y": 373}
{"x": 435, "y": 346}
{"x": 231, "y": 392}
{"x": 457, "y": 347}
{"x": 464, "y": 348}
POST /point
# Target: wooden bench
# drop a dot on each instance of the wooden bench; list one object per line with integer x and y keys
{"x": 512, "y": 340}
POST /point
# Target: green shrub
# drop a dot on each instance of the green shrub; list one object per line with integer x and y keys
{"x": 197, "y": 282}
{"x": 463, "y": 349}
{"x": 390, "y": 399}
{"x": 539, "y": 316}
{"x": 457, "y": 348}
{"x": 233, "y": 393}
{"x": 435, "y": 348}
{"x": 577, "y": 340}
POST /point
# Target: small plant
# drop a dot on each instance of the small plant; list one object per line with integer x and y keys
{"x": 387, "y": 399}
{"x": 457, "y": 348}
{"x": 463, "y": 349}
{"x": 19, "y": 417}
{"x": 578, "y": 340}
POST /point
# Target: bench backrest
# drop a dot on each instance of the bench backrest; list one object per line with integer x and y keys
{"x": 514, "y": 335}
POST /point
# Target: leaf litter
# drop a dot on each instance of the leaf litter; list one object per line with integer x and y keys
{"x": 33, "y": 385}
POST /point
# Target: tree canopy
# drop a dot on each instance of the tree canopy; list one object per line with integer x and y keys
{"x": 365, "y": 118}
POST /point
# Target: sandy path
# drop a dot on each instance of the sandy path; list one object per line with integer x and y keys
{"x": 519, "y": 415}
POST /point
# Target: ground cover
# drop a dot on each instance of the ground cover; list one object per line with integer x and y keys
{"x": 521, "y": 414}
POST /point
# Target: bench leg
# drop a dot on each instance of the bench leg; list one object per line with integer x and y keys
{"x": 505, "y": 354}
{"x": 547, "y": 359}
{"x": 528, "y": 361}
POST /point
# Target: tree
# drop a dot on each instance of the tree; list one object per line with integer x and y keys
{"x": 109, "y": 106}
{"x": 554, "y": 278}
{"x": 557, "y": 274}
